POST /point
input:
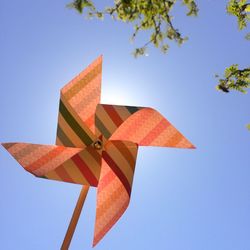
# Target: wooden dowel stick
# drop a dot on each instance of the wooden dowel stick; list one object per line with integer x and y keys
{"x": 75, "y": 218}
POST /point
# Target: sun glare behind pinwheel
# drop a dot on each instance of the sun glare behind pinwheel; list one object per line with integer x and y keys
{"x": 118, "y": 94}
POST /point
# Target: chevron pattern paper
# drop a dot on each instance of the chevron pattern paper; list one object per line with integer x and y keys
{"x": 97, "y": 145}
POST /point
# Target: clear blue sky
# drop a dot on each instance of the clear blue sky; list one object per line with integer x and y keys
{"x": 181, "y": 199}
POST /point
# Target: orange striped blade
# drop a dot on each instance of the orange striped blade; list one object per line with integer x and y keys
{"x": 147, "y": 127}
{"x": 76, "y": 125}
{"x": 108, "y": 118}
{"x": 82, "y": 168}
{"x": 114, "y": 189}
{"x": 40, "y": 159}
{"x": 75, "y": 165}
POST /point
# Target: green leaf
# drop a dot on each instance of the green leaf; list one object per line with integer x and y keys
{"x": 146, "y": 15}
{"x": 235, "y": 79}
{"x": 247, "y": 36}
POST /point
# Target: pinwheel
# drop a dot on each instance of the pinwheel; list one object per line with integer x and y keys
{"x": 96, "y": 146}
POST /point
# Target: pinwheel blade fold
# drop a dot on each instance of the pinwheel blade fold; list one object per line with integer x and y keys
{"x": 109, "y": 118}
{"x": 40, "y": 159}
{"x": 114, "y": 189}
{"x": 82, "y": 168}
{"x": 79, "y": 98}
{"x": 147, "y": 127}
